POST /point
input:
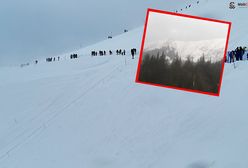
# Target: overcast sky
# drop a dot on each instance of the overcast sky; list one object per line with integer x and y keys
{"x": 39, "y": 28}
{"x": 178, "y": 28}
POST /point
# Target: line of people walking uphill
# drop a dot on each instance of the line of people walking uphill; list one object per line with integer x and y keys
{"x": 118, "y": 52}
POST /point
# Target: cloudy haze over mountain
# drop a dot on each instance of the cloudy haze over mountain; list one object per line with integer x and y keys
{"x": 178, "y": 28}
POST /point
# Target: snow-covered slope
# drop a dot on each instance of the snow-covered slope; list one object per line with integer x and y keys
{"x": 212, "y": 49}
{"x": 220, "y": 10}
{"x": 89, "y": 113}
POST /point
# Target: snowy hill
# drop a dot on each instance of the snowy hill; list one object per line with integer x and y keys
{"x": 220, "y": 10}
{"x": 212, "y": 49}
{"x": 89, "y": 112}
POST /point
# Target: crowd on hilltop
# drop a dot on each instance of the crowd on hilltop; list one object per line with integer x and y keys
{"x": 50, "y": 59}
{"x": 73, "y": 56}
{"x": 110, "y": 52}
{"x": 239, "y": 54}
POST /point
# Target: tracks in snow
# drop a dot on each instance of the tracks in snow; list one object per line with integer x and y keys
{"x": 39, "y": 122}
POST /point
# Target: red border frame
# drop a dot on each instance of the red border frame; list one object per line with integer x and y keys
{"x": 188, "y": 16}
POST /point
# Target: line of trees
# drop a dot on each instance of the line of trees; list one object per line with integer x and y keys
{"x": 201, "y": 75}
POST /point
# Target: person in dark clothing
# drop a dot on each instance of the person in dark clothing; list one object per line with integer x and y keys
{"x": 93, "y": 53}
{"x": 242, "y": 51}
{"x": 232, "y": 57}
{"x": 237, "y": 54}
{"x": 58, "y": 58}
{"x": 110, "y": 52}
{"x": 48, "y": 59}
{"x": 36, "y": 61}
{"x": 73, "y": 56}
{"x": 228, "y": 59}
{"x": 104, "y": 52}
{"x": 132, "y": 53}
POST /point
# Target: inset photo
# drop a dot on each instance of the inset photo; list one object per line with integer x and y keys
{"x": 183, "y": 52}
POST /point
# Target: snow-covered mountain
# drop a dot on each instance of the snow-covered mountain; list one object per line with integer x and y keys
{"x": 212, "y": 49}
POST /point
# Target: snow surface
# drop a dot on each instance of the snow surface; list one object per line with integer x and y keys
{"x": 89, "y": 112}
{"x": 220, "y": 10}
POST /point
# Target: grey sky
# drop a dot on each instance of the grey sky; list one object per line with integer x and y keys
{"x": 170, "y": 27}
{"x": 33, "y": 29}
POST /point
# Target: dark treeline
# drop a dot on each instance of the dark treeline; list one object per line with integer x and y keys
{"x": 201, "y": 75}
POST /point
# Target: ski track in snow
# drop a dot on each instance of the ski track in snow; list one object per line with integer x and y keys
{"x": 26, "y": 131}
